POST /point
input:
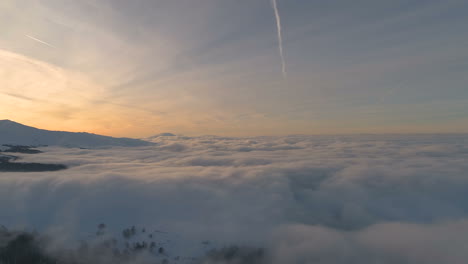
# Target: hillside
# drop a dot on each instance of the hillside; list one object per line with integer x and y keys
{"x": 18, "y": 134}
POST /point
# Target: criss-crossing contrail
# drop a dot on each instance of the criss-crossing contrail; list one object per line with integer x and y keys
{"x": 40, "y": 41}
{"x": 280, "y": 37}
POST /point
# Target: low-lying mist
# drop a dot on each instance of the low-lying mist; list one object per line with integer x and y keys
{"x": 304, "y": 199}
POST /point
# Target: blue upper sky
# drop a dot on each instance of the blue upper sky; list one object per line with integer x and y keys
{"x": 141, "y": 67}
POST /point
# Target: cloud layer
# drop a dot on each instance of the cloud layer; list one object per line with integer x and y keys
{"x": 346, "y": 199}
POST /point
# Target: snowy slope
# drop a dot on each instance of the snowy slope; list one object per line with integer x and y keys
{"x": 18, "y": 134}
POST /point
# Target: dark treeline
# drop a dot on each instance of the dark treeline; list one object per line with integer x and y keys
{"x": 21, "y": 247}
{"x": 21, "y": 149}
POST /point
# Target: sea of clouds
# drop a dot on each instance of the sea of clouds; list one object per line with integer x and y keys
{"x": 305, "y": 199}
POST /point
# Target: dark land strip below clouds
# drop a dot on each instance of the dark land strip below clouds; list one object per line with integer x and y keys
{"x": 6, "y": 164}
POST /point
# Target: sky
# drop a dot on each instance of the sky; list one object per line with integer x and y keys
{"x": 235, "y": 68}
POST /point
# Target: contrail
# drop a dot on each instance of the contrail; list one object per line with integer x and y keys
{"x": 40, "y": 41}
{"x": 280, "y": 37}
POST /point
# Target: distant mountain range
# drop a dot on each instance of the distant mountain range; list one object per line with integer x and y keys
{"x": 160, "y": 135}
{"x": 17, "y": 134}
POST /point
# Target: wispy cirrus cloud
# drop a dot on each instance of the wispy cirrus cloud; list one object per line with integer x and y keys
{"x": 280, "y": 37}
{"x": 41, "y": 41}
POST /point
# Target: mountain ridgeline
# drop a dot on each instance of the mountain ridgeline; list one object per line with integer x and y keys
{"x": 13, "y": 133}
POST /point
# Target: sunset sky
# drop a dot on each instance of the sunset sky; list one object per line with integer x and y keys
{"x": 193, "y": 67}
